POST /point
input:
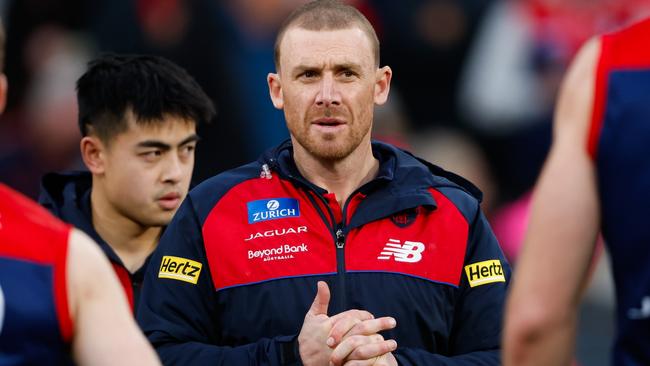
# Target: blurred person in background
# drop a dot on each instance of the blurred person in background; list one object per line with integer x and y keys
{"x": 233, "y": 278}
{"x": 596, "y": 178}
{"x": 512, "y": 74}
{"x": 138, "y": 118}
{"x": 40, "y": 134}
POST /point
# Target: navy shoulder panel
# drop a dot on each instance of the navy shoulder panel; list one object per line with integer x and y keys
{"x": 406, "y": 161}
{"x": 465, "y": 195}
{"x": 452, "y": 179}
{"x": 206, "y": 195}
{"x": 467, "y": 204}
{"x": 412, "y": 176}
{"x": 58, "y": 188}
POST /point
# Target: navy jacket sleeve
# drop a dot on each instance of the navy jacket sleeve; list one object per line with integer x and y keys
{"x": 476, "y": 333}
{"x": 176, "y": 314}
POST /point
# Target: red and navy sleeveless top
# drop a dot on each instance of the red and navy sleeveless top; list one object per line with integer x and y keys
{"x": 619, "y": 143}
{"x": 35, "y": 323}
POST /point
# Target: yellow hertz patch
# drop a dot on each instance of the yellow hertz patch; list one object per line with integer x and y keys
{"x": 181, "y": 269}
{"x": 481, "y": 273}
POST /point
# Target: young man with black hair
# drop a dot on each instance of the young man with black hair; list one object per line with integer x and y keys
{"x": 138, "y": 117}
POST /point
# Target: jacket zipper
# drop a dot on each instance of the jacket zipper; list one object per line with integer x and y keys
{"x": 338, "y": 234}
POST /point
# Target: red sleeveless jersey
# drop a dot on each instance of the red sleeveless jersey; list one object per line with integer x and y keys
{"x": 35, "y": 322}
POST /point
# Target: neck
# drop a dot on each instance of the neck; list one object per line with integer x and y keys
{"x": 131, "y": 241}
{"x": 341, "y": 177}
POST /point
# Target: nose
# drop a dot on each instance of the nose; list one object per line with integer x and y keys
{"x": 328, "y": 93}
{"x": 173, "y": 170}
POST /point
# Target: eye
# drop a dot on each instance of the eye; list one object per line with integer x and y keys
{"x": 151, "y": 155}
{"x": 308, "y": 74}
{"x": 187, "y": 150}
{"x": 347, "y": 74}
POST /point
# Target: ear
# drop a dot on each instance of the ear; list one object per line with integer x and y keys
{"x": 382, "y": 84}
{"x": 93, "y": 153}
{"x": 3, "y": 92}
{"x": 275, "y": 90}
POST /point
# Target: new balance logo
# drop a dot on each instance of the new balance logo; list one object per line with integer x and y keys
{"x": 410, "y": 251}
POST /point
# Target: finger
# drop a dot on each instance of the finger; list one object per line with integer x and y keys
{"x": 372, "y": 326}
{"x": 343, "y": 322}
{"x": 321, "y": 301}
{"x": 373, "y": 350}
{"x": 354, "y": 313}
{"x": 348, "y": 345}
{"x": 385, "y": 360}
{"x": 361, "y": 348}
{"x": 371, "y": 362}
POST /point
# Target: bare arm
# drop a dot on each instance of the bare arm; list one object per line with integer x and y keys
{"x": 551, "y": 272}
{"x": 105, "y": 332}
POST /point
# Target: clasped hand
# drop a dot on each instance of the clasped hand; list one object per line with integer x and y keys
{"x": 350, "y": 338}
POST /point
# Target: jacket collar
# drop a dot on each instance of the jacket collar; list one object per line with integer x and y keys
{"x": 402, "y": 183}
{"x": 395, "y": 165}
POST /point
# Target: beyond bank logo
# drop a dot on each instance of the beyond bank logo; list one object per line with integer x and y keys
{"x": 276, "y": 208}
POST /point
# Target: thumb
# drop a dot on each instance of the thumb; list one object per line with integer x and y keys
{"x": 322, "y": 300}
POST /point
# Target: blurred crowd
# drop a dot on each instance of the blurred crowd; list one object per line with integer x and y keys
{"x": 474, "y": 87}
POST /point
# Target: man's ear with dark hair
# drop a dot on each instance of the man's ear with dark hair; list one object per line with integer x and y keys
{"x": 93, "y": 152}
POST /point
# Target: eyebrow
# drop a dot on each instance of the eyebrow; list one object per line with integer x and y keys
{"x": 338, "y": 67}
{"x": 347, "y": 66}
{"x": 303, "y": 68}
{"x": 164, "y": 146}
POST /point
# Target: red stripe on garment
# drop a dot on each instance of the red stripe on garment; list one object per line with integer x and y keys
{"x": 125, "y": 281}
{"x": 627, "y": 49}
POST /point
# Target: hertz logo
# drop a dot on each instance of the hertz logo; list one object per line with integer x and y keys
{"x": 485, "y": 272}
{"x": 181, "y": 269}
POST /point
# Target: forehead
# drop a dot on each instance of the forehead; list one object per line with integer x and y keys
{"x": 171, "y": 129}
{"x": 306, "y": 47}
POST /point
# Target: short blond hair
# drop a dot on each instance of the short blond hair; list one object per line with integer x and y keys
{"x": 326, "y": 15}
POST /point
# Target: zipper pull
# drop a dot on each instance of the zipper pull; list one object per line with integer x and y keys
{"x": 340, "y": 239}
{"x": 266, "y": 172}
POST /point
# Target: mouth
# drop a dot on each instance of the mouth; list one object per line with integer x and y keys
{"x": 329, "y": 124}
{"x": 170, "y": 201}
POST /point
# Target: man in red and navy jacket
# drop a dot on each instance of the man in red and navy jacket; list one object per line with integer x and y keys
{"x": 330, "y": 248}
{"x": 237, "y": 268}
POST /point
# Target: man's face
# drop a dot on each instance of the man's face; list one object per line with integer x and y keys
{"x": 327, "y": 85}
{"x": 147, "y": 169}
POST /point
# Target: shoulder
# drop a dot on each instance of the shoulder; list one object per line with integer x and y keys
{"x": 413, "y": 172}
{"x": 60, "y": 191}
{"x": 28, "y": 229}
{"x": 208, "y": 193}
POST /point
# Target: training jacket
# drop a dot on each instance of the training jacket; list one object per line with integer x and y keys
{"x": 67, "y": 196}
{"x": 236, "y": 270}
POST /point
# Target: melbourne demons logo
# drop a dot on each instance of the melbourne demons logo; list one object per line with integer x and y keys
{"x": 406, "y": 217}
{"x": 409, "y": 252}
